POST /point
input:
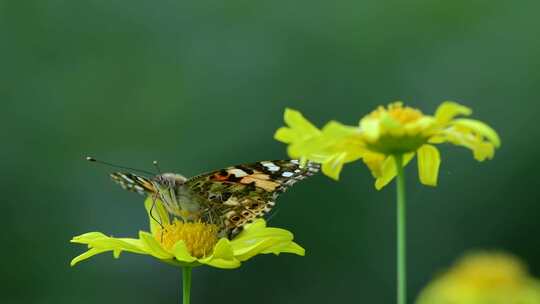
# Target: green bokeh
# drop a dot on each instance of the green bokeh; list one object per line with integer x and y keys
{"x": 199, "y": 85}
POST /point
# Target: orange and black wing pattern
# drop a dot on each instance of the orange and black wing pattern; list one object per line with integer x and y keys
{"x": 236, "y": 195}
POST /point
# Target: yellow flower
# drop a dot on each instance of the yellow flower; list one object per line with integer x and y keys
{"x": 387, "y": 132}
{"x": 494, "y": 278}
{"x": 333, "y": 146}
{"x": 191, "y": 244}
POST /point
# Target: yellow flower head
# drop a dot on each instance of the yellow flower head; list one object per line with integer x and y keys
{"x": 200, "y": 238}
{"x": 396, "y": 129}
{"x": 191, "y": 244}
{"x": 484, "y": 277}
{"x": 385, "y": 133}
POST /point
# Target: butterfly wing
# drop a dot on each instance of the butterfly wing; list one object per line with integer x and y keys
{"x": 133, "y": 182}
{"x": 236, "y": 195}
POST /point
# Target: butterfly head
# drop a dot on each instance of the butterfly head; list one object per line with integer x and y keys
{"x": 168, "y": 180}
{"x": 169, "y": 188}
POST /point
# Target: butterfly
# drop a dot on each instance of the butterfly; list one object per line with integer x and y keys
{"x": 229, "y": 198}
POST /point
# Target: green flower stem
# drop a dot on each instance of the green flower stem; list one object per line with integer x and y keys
{"x": 186, "y": 284}
{"x": 401, "y": 233}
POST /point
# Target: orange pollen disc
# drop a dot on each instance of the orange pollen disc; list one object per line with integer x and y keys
{"x": 398, "y": 112}
{"x": 199, "y": 238}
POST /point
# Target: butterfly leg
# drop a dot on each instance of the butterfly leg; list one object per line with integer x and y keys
{"x": 211, "y": 220}
{"x": 154, "y": 199}
{"x": 211, "y": 216}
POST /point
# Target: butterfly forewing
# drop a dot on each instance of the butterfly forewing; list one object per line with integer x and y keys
{"x": 236, "y": 195}
{"x": 133, "y": 182}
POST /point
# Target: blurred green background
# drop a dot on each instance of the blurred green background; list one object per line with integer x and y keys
{"x": 200, "y": 85}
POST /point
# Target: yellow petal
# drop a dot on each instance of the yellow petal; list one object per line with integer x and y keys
{"x": 479, "y": 128}
{"x": 325, "y": 143}
{"x": 299, "y": 128}
{"x": 483, "y": 151}
{"x": 336, "y": 145}
{"x": 181, "y": 252}
{"x": 387, "y": 122}
{"x": 388, "y": 170}
{"x": 223, "y": 249}
{"x": 221, "y": 263}
{"x": 333, "y": 146}
{"x": 370, "y": 128}
{"x": 257, "y": 225}
{"x": 255, "y": 243}
{"x": 99, "y": 243}
{"x": 88, "y": 254}
{"x": 296, "y": 120}
{"x": 463, "y": 136}
{"x": 374, "y": 162}
{"x": 159, "y": 213}
{"x": 253, "y": 247}
{"x": 448, "y": 110}
{"x": 333, "y": 165}
{"x": 258, "y": 239}
{"x": 88, "y": 237}
{"x": 285, "y": 134}
{"x": 340, "y": 138}
{"x": 100, "y": 240}
{"x": 223, "y": 256}
{"x": 338, "y": 130}
{"x": 429, "y": 161}
{"x": 288, "y": 247}
{"x": 314, "y": 149}
{"x": 153, "y": 247}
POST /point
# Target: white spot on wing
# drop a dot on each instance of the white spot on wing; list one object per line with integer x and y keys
{"x": 237, "y": 172}
{"x": 290, "y": 182}
{"x": 270, "y": 166}
{"x": 129, "y": 180}
{"x": 232, "y": 201}
{"x": 287, "y": 174}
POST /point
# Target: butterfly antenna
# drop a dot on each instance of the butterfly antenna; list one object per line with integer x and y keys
{"x": 91, "y": 159}
{"x": 155, "y": 163}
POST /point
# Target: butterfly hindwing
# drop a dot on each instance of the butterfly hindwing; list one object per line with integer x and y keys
{"x": 236, "y": 195}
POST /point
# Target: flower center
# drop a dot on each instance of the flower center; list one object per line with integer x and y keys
{"x": 398, "y": 113}
{"x": 490, "y": 271}
{"x": 200, "y": 238}
{"x": 396, "y": 129}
